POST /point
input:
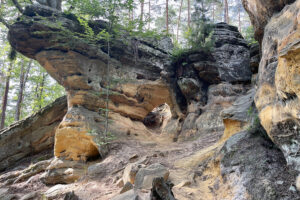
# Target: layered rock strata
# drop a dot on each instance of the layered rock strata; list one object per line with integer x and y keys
{"x": 211, "y": 81}
{"x": 86, "y": 71}
{"x": 31, "y": 135}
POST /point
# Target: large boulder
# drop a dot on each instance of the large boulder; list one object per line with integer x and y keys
{"x": 145, "y": 176}
{"x": 31, "y": 135}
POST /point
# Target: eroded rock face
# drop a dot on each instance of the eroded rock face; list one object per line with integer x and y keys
{"x": 240, "y": 115}
{"x": 82, "y": 69}
{"x": 211, "y": 81}
{"x": 31, "y": 135}
{"x": 210, "y": 120}
{"x": 277, "y": 98}
{"x": 261, "y": 11}
{"x": 227, "y": 62}
{"x": 255, "y": 169}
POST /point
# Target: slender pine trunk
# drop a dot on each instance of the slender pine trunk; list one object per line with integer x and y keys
{"x": 167, "y": 16}
{"x": 213, "y": 13}
{"x": 142, "y": 15}
{"x": 42, "y": 90}
{"x": 240, "y": 24}
{"x": 5, "y": 96}
{"x": 189, "y": 13}
{"x": 149, "y": 11}
{"x": 226, "y": 15}
{"x": 20, "y": 94}
{"x": 178, "y": 23}
{"x": 23, "y": 80}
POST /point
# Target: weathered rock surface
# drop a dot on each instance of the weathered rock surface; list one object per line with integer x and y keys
{"x": 228, "y": 61}
{"x": 211, "y": 81}
{"x": 210, "y": 120}
{"x": 128, "y": 186}
{"x": 63, "y": 172}
{"x": 254, "y": 58}
{"x": 31, "y": 135}
{"x": 231, "y": 54}
{"x": 240, "y": 115}
{"x": 247, "y": 166}
{"x": 255, "y": 169}
{"x": 130, "y": 172}
{"x": 277, "y": 97}
{"x": 261, "y": 11}
{"x": 57, "y": 191}
{"x": 145, "y": 176}
{"x": 161, "y": 190}
{"x": 84, "y": 76}
{"x": 129, "y": 195}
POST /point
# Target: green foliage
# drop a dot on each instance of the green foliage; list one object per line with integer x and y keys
{"x": 255, "y": 126}
{"x": 101, "y": 139}
{"x": 180, "y": 53}
{"x": 249, "y": 35}
{"x": 199, "y": 35}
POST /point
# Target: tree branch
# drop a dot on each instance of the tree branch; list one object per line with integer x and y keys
{"x": 18, "y": 6}
{"x": 4, "y": 22}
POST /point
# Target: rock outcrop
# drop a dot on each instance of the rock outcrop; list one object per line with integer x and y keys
{"x": 31, "y": 135}
{"x": 277, "y": 97}
{"x": 255, "y": 169}
{"x": 82, "y": 69}
{"x": 203, "y": 102}
{"x": 211, "y": 81}
{"x": 261, "y": 11}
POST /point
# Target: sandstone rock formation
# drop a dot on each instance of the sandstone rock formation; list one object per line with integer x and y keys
{"x": 255, "y": 169}
{"x": 31, "y": 135}
{"x": 277, "y": 98}
{"x": 84, "y": 76}
{"x": 261, "y": 11}
{"x": 212, "y": 81}
{"x": 196, "y": 116}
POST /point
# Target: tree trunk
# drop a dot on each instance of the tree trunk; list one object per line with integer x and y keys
{"x": 226, "y": 15}
{"x": 142, "y": 15}
{"x": 189, "y": 13}
{"x": 178, "y": 23}
{"x": 5, "y": 97}
{"x": 213, "y": 13}
{"x": 149, "y": 11}
{"x": 42, "y": 89}
{"x": 23, "y": 80}
{"x": 240, "y": 24}
{"x": 167, "y": 16}
{"x": 18, "y": 6}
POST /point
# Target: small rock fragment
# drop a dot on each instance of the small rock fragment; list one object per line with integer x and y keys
{"x": 128, "y": 186}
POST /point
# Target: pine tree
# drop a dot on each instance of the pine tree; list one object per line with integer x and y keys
{"x": 5, "y": 96}
{"x": 226, "y": 12}
{"x": 201, "y": 30}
